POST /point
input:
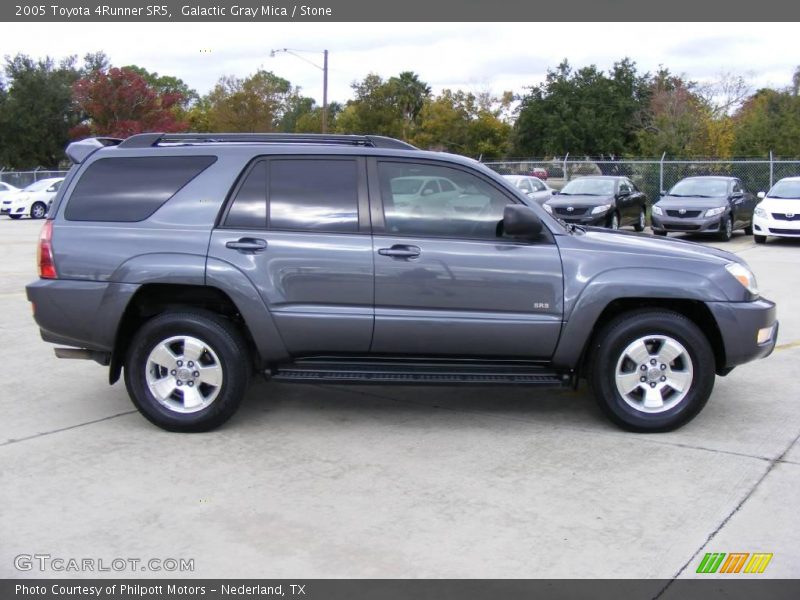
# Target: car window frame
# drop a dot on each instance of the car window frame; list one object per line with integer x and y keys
{"x": 377, "y": 211}
{"x": 362, "y": 194}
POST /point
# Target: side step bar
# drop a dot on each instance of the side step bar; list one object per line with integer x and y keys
{"x": 387, "y": 372}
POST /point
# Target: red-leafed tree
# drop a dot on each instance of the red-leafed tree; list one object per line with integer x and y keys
{"x": 120, "y": 102}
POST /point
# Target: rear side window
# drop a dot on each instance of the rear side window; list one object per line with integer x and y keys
{"x": 131, "y": 189}
{"x": 313, "y": 195}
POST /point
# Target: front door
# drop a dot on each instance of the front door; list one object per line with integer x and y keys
{"x": 298, "y": 228}
{"x": 447, "y": 283}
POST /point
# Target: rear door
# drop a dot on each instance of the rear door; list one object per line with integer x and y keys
{"x": 298, "y": 228}
{"x": 446, "y": 282}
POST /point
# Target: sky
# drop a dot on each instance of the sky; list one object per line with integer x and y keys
{"x": 479, "y": 57}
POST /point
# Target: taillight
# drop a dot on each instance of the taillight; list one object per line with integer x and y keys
{"x": 44, "y": 252}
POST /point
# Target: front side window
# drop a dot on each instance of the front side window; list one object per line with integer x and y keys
{"x": 471, "y": 209}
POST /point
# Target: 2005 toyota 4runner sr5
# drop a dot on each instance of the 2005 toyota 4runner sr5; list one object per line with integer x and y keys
{"x": 193, "y": 261}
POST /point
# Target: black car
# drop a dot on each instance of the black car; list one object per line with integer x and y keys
{"x": 705, "y": 205}
{"x": 602, "y": 201}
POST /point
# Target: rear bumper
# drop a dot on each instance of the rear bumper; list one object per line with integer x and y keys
{"x": 740, "y": 324}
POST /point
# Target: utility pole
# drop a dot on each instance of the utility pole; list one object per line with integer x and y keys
{"x": 323, "y": 68}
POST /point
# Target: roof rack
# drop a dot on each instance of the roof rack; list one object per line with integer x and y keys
{"x": 147, "y": 140}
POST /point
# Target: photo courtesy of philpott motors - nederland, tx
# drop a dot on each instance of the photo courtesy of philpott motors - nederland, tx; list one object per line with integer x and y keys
{"x": 124, "y": 589}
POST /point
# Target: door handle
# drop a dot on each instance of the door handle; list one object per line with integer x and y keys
{"x": 248, "y": 245}
{"x": 400, "y": 251}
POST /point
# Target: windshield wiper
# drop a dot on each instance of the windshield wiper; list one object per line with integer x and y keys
{"x": 785, "y": 197}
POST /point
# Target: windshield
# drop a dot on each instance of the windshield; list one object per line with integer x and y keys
{"x": 700, "y": 187}
{"x": 406, "y": 185}
{"x": 785, "y": 190}
{"x": 39, "y": 185}
{"x": 591, "y": 187}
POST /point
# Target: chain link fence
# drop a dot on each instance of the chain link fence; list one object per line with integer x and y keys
{"x": 23, "y": 179}
{"x": 652, "y": 176}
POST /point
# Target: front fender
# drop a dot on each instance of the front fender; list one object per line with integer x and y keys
{"x": 584, "y": 308}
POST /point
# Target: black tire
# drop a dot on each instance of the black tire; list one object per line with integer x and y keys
{"x": 15, "y": 217}
{"x": 641, "y": 223}
{"x": 607, "y": 351}
{"x": 222, "y": 341}
{"x": 613, "y": 222}
{"x": 659, "y": 232}
{"x": 726, "y": 230}
{"x": 760, "y": 239}
{"x": 749, "y": 229}
{"x": 38, "y": 210}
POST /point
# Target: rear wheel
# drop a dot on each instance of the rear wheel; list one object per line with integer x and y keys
{"x": 642, "y": 222}
{"x": 187, "y": 371}
{"x": 651, "y": 370}
{"x": 38, "y": 210}
{"x": 760, "y": 239}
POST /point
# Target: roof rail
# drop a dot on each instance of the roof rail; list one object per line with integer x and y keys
{"x": 147, "y": 140}
{"x": 78, "y": 151}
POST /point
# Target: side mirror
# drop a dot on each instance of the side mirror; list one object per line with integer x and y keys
{"x": 521, "y": 221}
{"x": 737, "y": 195}
{"x": 553, "y": 192}
{"x": 556, "y": 192}
{"x": 761, "y": 195}
{"x": 52, "y": 188}
{"x": 624, "y": 193}
{"x": 663, "y": 192}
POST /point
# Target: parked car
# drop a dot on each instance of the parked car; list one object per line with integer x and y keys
{"x": 193, "y": 261}
{"x": 540, "y": 172}
{"x": 6, "y": 190}
{"x": 778, "y": 213}
{"x": 601, "y": 201}
{"x": 533, "y": 187}
{"x": 33, "y": 200}
{"x": 705, "y": 205}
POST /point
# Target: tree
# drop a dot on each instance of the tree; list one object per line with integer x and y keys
{"x": 768, "y": 121}
{"x": 583, "y": 111}
{"x": 256, "y": 104}
{"x": 36, "y": 111}
{"x": 373, "y": 110}
{"x": 166, "y": 84}
{"x": 409, "y": 94}
{"x": 120, "y": 103}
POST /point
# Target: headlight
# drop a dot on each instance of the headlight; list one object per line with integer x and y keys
{"x": 760, "y": 212}
{"x": 657, "y": 210}
{"x": 600, "y": 209}
{"x": 713, "y": 212}
{"x": 547, "y": 208}
{"x": 744, "y": 276}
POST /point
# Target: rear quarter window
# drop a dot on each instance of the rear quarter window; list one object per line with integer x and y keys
{"x": 131, "y": 189}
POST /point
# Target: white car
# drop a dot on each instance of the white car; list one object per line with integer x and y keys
{"x": 33, "y": 200}
{"x": 778, "y": 213}
{"x": 531, "y": 186}
{"x": 6, "y": 190}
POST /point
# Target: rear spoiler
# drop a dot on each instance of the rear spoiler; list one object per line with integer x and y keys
{"x": 79, "y": 151}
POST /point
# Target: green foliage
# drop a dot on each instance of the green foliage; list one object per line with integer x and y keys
{"x": 36, "y": 111}
{"x": 583, "y": 111}
{"x": 373, "y": 110}
{"x": 166, "y": 84}
{"x": 768, "y": 121}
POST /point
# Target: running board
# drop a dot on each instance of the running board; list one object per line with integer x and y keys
{"x": 419, "y": 373}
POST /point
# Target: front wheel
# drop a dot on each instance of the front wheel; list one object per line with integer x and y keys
{"x": 15, "y": 217}
{"x": 662, "y": 233}
{"x": 760, "y": 239}
{"x": 749, "y": 229}
{"x": 38, "y": 210}
{"x": 613, "y": 223}
{"x": 641, "y": 222}
{"x": 726, "y": 230}
{"x": 651, "y": 370}
{"x": 187, "y": 371}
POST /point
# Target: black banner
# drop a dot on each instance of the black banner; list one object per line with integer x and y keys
{"x": 409, "y": 10}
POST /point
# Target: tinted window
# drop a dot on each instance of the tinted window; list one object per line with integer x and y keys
{"x": 249, "y": 207}
{"x": 313, "y": 195}
{"x": 472, "y": 209}
{"x": 737, "y": 187}
{"x": 131, "y": 189}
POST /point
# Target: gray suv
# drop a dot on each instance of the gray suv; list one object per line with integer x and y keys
{"x": 193, "y": 261}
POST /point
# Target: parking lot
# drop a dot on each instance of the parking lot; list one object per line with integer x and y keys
{"x": 318, "y": 481}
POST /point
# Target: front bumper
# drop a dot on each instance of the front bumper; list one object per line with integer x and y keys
{"x": 777, "y": 227}
{"x": 740, "y": 324}
{"x": 588, "y": 220}
{"x": 687, "y": 225}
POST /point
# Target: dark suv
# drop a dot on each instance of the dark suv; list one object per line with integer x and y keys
{"x": 194, "y": 261}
